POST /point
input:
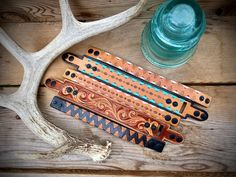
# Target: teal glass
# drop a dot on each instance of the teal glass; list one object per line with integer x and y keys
{"x": 172, "y": 35}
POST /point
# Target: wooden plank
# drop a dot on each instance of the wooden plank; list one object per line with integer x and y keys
{"x": 209, "y": 146}
{"x": 54, "y": 175}
{"x": 48, "y": 10}
{"x": 115, "y": 174}
{"x": 47, "y": 175}
{"x": 214, "y": 61}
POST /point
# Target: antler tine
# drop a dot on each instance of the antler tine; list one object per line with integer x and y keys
{"x": 68, "y": 18}
{"x": 118, "y": 19}
{"x": 3, "y": 100}
{"x": 21, "y": 55}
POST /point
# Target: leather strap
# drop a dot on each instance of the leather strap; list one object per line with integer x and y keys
{"x": 106, "y": 125}
{"x": 170, "y": 85}
{"x": 114, "y": 111}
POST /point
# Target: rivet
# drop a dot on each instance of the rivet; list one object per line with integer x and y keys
{"x": 147, "y": 125}
{"x": 96, "y": 53}
{"x": 207, "y": 101}
{"x": 67, "y": 73}
{"x": 88, "y": 66}
{"x": 168, "y": 101}
{"x": 153, "y": 127}
{"x": 174, "y": 121}
{"x": 201, "y": 98}
{"x": 64, "y": 56}
{"x": 73, "y": 75}
{"x": 196, "y": 113}
{"x": 48, "y": 81}
{"x": 90, "y": 51}
{"x": 203, "y": 116}
{"x": 71, "y": 58}
{"x": 69, "y": 89}
{"x": 94, "y": 68}
{"x": 167, "y": 117}
{"x": 75, "y": 92}
{"x": 53, "y": 83}
{"x": 175, "y": 104}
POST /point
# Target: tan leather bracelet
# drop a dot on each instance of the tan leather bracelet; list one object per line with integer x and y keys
{"x": 178, "y": 88}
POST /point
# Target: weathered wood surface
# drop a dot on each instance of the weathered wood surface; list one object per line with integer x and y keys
{"x": 209, "y": 146}
{"x": 74, "y": 173}
{"x": 213, "y": 62}
{"x": 48, "y": 10}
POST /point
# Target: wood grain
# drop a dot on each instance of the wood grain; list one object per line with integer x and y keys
{"x": 209, "y": 146}
{"x": 213, "y": 62}
{"x": 48, "y": 10}
{"x": 89, "y": 173}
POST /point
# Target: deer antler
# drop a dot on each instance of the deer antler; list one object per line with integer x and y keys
{"x": 24, "y": 100}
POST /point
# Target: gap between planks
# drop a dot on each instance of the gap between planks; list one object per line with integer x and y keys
{"x": 108, "y": 173}
{"x": 48, "y": 10}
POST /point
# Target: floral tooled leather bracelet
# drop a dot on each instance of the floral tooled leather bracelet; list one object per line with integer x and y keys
{"x": 112, "y": 128}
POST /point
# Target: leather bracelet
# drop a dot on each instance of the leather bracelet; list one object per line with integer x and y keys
{"x": 169, "y": 85}
{"x": 114, "y": 111}
{"x": 106, "y": 125}
{"x": 121, "y": 97}
{"x": 136, "y": 87}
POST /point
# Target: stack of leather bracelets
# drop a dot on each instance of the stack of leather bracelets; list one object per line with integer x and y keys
{"x": 125, "y": 100}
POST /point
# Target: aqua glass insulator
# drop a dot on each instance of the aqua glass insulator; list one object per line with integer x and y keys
{"x": 171, "y": 37}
